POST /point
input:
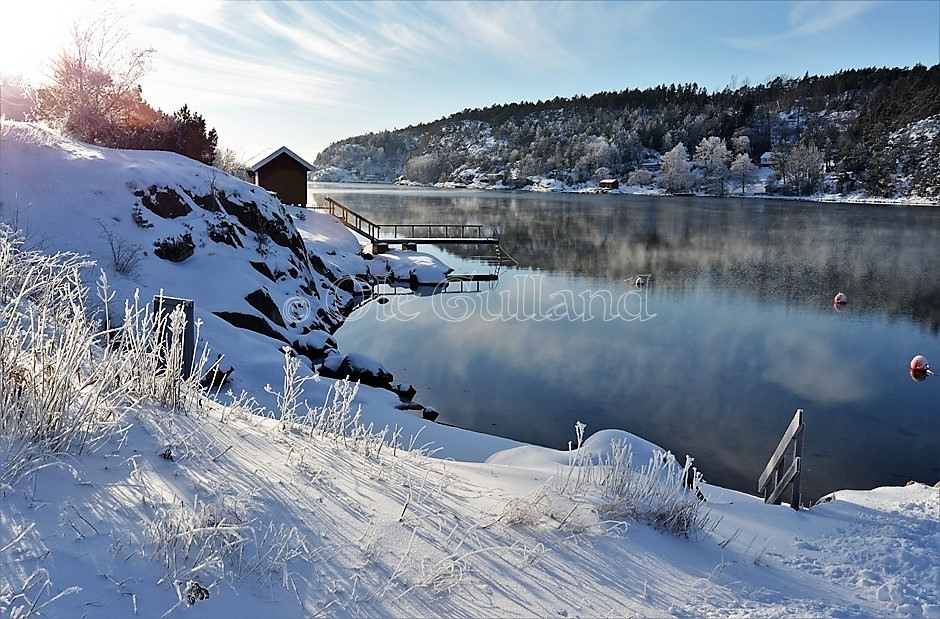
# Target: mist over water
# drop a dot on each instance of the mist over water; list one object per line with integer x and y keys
{"x": 734, "y": 332}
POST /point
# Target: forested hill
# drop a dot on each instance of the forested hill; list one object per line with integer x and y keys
{"x": 874, "y": 131}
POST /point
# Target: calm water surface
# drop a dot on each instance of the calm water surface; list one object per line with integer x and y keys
{"x": 735, "y": 332}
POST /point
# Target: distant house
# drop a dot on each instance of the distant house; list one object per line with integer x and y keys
{"x": 767, "y": 159}
{"x": 284, "y": 174}
{"x": 610, "y": 183}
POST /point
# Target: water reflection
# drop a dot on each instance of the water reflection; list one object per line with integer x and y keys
{"x": 743, "y": 328}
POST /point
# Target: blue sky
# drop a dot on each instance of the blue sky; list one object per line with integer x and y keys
{"x": 305, "y": 74}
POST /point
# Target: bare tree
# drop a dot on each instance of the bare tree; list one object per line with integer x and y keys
{"x": 230, "y": 161}
{"x": 94, "y": 88}
{"x": 126, "y": 256}
{"x": 425, "y": 168}
{"x": 806, "y": 165}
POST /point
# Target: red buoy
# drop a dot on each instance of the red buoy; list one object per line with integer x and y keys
{"x": 840, "y": 299}
{"x": 920, "y": 364}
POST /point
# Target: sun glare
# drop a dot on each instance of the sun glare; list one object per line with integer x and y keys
{"x": 30, "y": 36}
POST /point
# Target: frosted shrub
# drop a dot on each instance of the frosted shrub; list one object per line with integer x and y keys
{"x": 661, "y": 492}
{"x": 205, "y": 543}
{"x": 58, "y": 388}
{"x": 289, "y": 398}
{"x": 64, "y": 384}
{"x": 335, "y": 419}
{"x": 152, "y": 344}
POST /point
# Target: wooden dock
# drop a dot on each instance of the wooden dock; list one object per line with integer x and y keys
{"x": 409, "y": 234}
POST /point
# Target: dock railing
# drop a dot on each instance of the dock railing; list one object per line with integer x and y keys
{"x": 431, "y": 231}
{"x": 407, "y": 233}
{"x": 777, "y": 476}
{"x": 353, "y": 220}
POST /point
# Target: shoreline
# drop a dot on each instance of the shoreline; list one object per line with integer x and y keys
{"x": 818, "y": 198}
{"x": 447, "y": 421}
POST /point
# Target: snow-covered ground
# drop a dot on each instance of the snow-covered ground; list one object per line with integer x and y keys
{"x": 359, "y": 509}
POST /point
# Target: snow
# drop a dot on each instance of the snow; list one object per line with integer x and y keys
{"x": 476, "y": 179}
{"x": 366, "y": 363}
{"x": 332, "y": 174}
{"x": 327, "y": 237}
{"x": 301, "y": 521}
{"x": 411, "y": 266}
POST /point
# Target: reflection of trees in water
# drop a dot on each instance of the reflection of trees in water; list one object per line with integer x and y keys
{"x": 885, "y": 259}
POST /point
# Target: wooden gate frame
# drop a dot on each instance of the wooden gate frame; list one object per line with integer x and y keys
{"x": 775, "y": 467}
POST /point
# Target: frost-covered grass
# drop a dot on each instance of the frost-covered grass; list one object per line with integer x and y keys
{"x": 72, "y": 384}
{"x": 66, "y": 378}
{"x": 162, "y": 499}
{"x": 60, "y": 391}
{"x": 69, "y": 383}
{"x": 607, "y": 488}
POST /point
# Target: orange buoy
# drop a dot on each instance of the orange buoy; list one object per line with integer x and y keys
{"x": 920, "y": 364}
{"x": 840, "y": 299}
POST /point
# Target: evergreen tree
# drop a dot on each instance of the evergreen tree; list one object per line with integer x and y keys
{"x": 851, "y": 117}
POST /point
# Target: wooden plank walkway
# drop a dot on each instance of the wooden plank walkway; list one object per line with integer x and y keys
{"x": 405, "y": 234}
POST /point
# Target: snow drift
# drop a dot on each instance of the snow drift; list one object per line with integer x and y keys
{"x": 169, "y": 501}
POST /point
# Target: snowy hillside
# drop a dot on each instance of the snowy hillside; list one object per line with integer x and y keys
{"x": 158, "y": 221}
{"x": 871, "y": 132}
{"x": 126, "y": 491}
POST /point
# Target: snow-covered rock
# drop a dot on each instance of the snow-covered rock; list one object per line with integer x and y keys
{"x": 222, "y": 512}
{"x": 160, "y": 222}
{"x": 412, "y": 267}
{"x": 358, "y": 367}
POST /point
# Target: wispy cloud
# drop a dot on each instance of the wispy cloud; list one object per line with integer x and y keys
{"x": 323, "y": 53}
{"x": 320, "y": 39}
{"x": 244, "y": 59}
{"x": 807, "y": 19}
{"x": 519, "y": 33}
{"x": 810, "y": 18}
